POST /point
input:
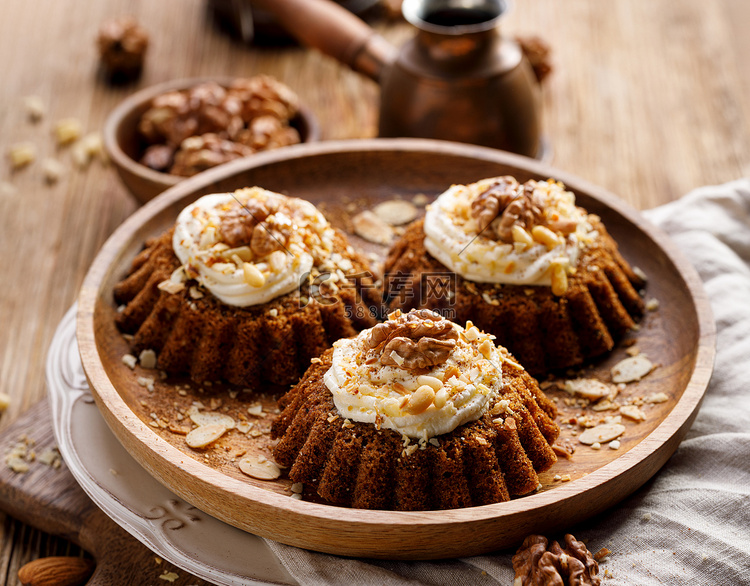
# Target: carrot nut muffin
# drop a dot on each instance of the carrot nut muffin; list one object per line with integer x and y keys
{"x": 530, "y": 267}
{"x": 246, "y": 287}
{"x": 416, "y": 413}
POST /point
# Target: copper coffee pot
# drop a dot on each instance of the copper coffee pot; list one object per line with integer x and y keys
{"x": 457, "y": 79}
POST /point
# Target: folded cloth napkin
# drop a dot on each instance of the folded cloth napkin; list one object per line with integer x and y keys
{"x": 690, "y": 524}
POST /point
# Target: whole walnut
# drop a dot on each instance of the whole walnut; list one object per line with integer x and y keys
{"x": 537, "y": 563}
{"x": 122, "y": 45}
{"x": 198, "y": 153}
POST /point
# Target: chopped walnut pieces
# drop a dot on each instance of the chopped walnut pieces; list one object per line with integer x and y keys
{"x": 35, "y": 108}
{"x": 122, "y": 45}
{"x": 198, "y": 153}
{"x": 21, "y": 154}
{"x": 268, "y": 132}
{"x": 158, "y": 157}
{"x": 491, "y": 204}
{"x": 414, "y": 341}
{"x": 515, "y": 214}
{"x": 536, "y": 564}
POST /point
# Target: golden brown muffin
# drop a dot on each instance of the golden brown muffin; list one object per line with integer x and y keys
{"x": 568, "y": 313}
{"x": 399, "y": 460}
{"x": 167, "y": 307}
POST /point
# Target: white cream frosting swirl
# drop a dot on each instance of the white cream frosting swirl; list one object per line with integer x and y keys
{"x": 453, "y": 237}
{"x": 237, "y": 276}
{"x": 464, "y": 386}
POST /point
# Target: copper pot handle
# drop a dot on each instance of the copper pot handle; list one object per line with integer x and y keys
{"x": 333, "y": 30}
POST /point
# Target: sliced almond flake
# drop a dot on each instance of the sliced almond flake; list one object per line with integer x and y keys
{"x": 298, "y": 487}
{"x": 212, "y": 418}
{"x": 244, "y": 426}
{"x": 256, "y": 410}
{"x": 370, "y": 227}
{"x": 588, "y": 388}
{"x": 396, "y": 212}
{"x": 601, "y": 433}
{"x": 205, "y": 435}
{"x": 632, "y": 412}
{"x": 657, "y": 398}
{"x": 631, "y": 369}
{"x": 253, "y": 467}
{"x": 604, "y": 405}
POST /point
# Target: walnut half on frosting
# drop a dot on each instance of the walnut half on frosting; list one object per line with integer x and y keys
{"x": 506, "y": 205}
{"x": 415, "y": 341}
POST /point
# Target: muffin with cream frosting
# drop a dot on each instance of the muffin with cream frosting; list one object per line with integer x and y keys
{"x": 246, "y": 287}
{"x": 525, "y": 264}
{"x": 416, "y": 413}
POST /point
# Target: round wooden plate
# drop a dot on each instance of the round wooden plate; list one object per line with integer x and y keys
{"x": 352, "y": 175}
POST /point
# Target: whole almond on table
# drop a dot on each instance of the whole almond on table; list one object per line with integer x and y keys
{"x": 57, "y": 571}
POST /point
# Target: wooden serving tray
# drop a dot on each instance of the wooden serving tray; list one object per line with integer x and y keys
{"x": 353, "y": 175}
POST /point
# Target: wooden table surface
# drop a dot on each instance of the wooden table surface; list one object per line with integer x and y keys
{"x": 648, "y": 99}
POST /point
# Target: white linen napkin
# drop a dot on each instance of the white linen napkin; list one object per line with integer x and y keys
{"x": 690, "y": 524}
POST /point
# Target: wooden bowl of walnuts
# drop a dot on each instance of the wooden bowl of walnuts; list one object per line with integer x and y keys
{"x": 167, "y": 132}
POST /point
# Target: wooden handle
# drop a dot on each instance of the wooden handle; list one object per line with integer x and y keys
{"x": 56, "y": 571}
{"x": 332, "y": 29}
